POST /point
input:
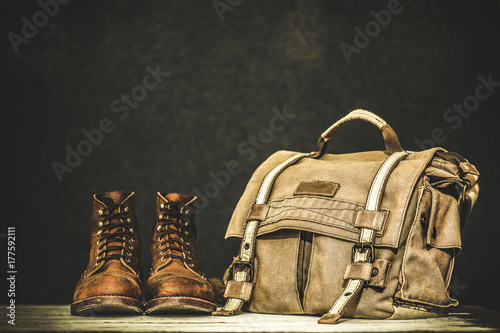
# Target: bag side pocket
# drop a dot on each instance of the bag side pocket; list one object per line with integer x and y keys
{"x": 433, "y": 242}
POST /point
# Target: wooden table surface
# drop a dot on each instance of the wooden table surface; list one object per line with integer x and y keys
{"x": 56, "y": 318}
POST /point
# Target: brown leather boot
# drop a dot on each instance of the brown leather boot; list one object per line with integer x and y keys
{"x": 111, "y": 282}
{"x": 176, "y": 282}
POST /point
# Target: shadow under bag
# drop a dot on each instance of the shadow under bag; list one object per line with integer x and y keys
{"x": 361, "y": 235}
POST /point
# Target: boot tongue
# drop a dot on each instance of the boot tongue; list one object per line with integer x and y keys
{"x": 108, "y": 202}
{"x": 116, "y": 196}
{"x": 177, "y": 197}
{"x": 113, "y": 265}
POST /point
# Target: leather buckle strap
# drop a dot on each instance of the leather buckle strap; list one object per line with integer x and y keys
{"x": 370, "y": 219}
{"x": 258, "y": 212}
{"x": 363, "y": 251}
{"x": 374, "y": 273}
{"x": 380, "y": 271}
{"x": 358, "y": 271}
{"x": 239, "y": 289}
{"x": 244, "y": 271}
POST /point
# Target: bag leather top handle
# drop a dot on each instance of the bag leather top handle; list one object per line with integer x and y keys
{"x": 391, "y": 140}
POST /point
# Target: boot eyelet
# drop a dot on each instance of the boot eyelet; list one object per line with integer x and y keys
{"x": 160, "y": 239}
{"x": 100, "y": 212}
{"x": 162, "y": 252}
{"x": 99, "y": 233}
{"x": 189, "y": 258}
{"x": 158, "y": 228}
{"x": 99, "y": 250}
{"x": 127, "y": 260}
{"x": 186, "y": 233}
{"x": 125, "y": 209}
{"x": 186, "y": 224}
{"x": 161, "y": 246}
{"x": 163, "y": 258}
{"x": 130, "y": 247}
{"x": 96, "y": 264}
{"x": 187, "y": 243}
{"x": 129, "y": 254}
{"x": 101, "y": 224}
{"x": 188, "y": 252}
{"x": 99, "y": 242}
{"x": 190, "y": 265}
{"x": 162, "y": 205}
{"x": 160, "y": 216}
{"x": 129, "y": 221}
{"x": 131, "y": 230}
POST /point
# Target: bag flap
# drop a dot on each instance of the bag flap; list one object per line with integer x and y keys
{"x": 333, "y": 213}
{"x": 317, "y": 214}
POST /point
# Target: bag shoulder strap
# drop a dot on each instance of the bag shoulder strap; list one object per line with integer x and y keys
{"x": 359, "y": 271}
{"x": 239, "y": 290}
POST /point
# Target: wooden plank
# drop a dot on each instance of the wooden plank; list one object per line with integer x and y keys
{"x": 56, "y": 318}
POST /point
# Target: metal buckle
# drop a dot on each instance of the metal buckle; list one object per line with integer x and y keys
{"x": 361, "y": 248}
{"x": 239, "y": 265}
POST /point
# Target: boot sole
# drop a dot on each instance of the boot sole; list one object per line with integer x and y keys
{"x": 106, "y": 305}
{"x": 168, "y": 305}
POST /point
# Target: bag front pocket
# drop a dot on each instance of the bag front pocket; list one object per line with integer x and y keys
{"x": 276, "y": 288}
{"x": 433, "y": 242}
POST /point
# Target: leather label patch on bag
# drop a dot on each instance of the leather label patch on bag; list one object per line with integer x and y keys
{"x": 317, "y": 187}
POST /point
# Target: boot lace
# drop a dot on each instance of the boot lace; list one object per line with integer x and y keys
{"x": 114, "y": 227}
{"x": 174, "y": 220}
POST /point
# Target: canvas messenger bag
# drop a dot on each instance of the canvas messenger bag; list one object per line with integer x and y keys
{"x": 366, "y": 235}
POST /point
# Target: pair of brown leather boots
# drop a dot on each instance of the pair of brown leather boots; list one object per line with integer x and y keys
{"x": 111, "y": 283}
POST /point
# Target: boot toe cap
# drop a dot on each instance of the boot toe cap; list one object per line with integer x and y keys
{"x": 180, "y": 286}
{"x": 108, "y": 285}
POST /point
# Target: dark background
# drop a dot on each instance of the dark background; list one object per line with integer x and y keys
{"x": 226, "y": 77}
